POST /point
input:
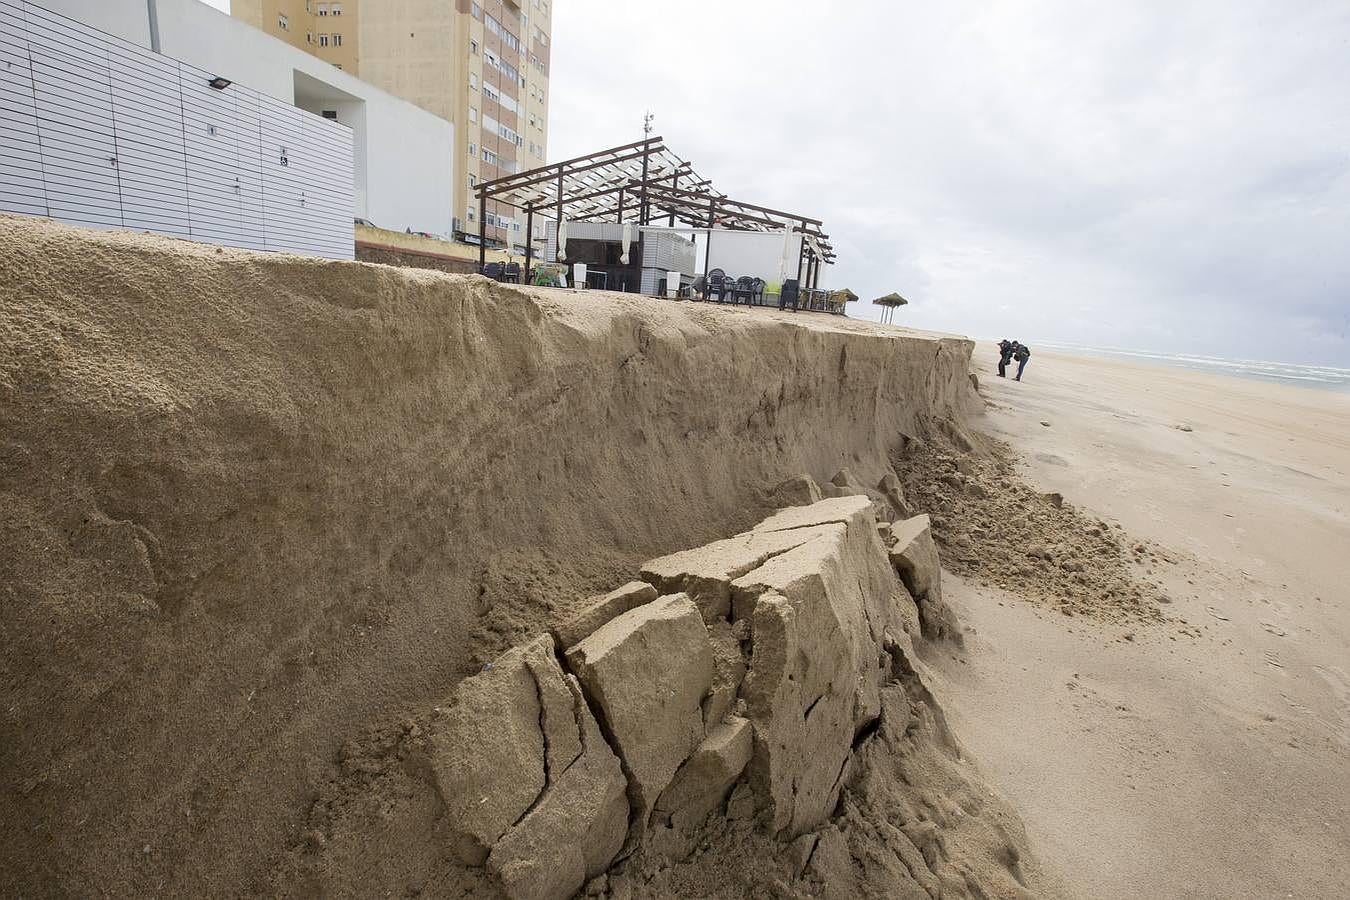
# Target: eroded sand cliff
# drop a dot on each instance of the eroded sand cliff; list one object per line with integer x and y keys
{"x": 260, "y": 514}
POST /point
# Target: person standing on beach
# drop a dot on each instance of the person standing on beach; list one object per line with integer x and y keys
{"x": 1005, "y": 352}
{"x": 1021, "y": 354}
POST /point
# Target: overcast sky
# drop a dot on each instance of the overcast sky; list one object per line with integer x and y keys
{"x": 1156, "y": 175}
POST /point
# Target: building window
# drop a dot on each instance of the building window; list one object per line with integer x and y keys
{"x": 337, "y": 40}
{"x": 309, "y": 37}
{"x": 283, "y": 22}
{"x": 323, "y": 9}
{"x": 473, "y": 181}
{"x": 337, "y": 9}
{"x": 473, "y": 150}
{"x": 472, "y": 215}
{"x": 473, "y": 114}
{"x": 323, "y": 40}
{"x": 473, "y": 82}
{"x": 475, "y": 10}
{"x": 473, "y": 46}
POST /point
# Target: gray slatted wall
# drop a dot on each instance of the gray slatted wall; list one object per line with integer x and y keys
{"x": 99, "y": 131}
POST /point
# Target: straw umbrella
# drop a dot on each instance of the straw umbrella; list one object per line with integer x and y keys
{"x": 888, "y": 304}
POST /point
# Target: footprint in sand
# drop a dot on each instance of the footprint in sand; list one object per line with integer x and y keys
{"x": 1052, "y": 459}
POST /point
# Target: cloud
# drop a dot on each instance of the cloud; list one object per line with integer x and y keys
{"x": 1166, "y": 176}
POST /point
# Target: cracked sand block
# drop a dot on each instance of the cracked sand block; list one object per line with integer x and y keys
{"x": 576, "y": 828}
{"x": 834, "y": 511}
{"x": 728, "y": 673}
{"x": 599, "y": 610}
{"x": 488, "y": 749}
{"x": 914, "y": 554}
{"x": 799, "y": 490}
{"x": 846, "y": 484}
{"x": 704, "y": 780}
{"x": 890, "y": 488}
{"x": 647, "y": 672}
{"x": 818, "y": 623}
{"x": 705, "y": 573}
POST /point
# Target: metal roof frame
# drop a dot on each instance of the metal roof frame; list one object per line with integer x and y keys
{"x": 646, "y": 178}
{"x": 637, "y": 176}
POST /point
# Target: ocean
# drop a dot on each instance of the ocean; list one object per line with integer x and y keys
{"x": 1328, "y": 377}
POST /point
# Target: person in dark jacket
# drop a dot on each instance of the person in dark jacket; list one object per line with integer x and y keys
{"x": 1021, "y": 354}
{"x": 1005, "y": 353}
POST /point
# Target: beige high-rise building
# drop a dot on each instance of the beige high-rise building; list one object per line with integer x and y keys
{"x": 482, "y": 64}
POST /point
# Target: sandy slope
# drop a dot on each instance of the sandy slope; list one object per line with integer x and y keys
{"x": 1167, "y": 765}
{"x": 257, "y": 511}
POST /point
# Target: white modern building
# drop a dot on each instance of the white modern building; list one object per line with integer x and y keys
{"x": 387, "y": 160}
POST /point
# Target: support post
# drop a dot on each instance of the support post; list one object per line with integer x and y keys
{"x": 529, "y": 244}
{"x": 707, "y": 245}
{"x": 621, "y": 193}
{"x": 557, "y": 222}
{"x": 676, "y": 186}
{"x": 642, "y": 199}
{"x": 482, "y": 231}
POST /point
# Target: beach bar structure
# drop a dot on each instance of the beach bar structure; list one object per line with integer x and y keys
{"x": 888, "y": 304}
{"x": 630, "y": 214}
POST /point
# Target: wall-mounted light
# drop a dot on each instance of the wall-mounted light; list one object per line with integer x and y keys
{"x": 219, "y": 83}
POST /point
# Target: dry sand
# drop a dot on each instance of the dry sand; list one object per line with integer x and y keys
{"x": 1145, "y": 762}
{"x": 258, "y": 513}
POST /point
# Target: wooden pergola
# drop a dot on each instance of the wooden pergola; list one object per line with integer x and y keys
{"x": 646, "y": 184}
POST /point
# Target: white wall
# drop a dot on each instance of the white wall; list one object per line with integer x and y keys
{"x": 404, "y": 166}
{"x": 768, "y": 255}
{"x": 103, "y": 132}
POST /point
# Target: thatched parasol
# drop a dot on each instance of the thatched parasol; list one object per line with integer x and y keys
{"x": 847, "y": 295}
{"x": 888, "y": 304}
{"x": 892, "y": 299}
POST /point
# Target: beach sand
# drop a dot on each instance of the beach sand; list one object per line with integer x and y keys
{"x": 1147, "y": 761}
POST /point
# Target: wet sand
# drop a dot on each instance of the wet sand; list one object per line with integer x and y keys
{"x": 1147, "y": 762}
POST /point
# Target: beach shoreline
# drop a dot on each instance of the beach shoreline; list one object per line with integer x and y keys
{"x": 1145, "y": 761}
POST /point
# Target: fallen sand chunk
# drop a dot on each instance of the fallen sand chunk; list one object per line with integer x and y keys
{"x": 845, "y": 484}
{"x": 799, "y": 490}
{"x": 890, "y": 488}
{"x": 648, "y": 671}
{"x": 601, "y": 609}
{"x": 577, "y": 827}
{"x": 706, "y": 573}
{"x": 834, "y": 511}
{"x": 488, "y": 750}
{"x": 518, "y": 740}
{"x": 703, "y": 781}
{"x": 819, "y": 614}
{"x": 915, "y": 557}
{"x": 728, "y": 672}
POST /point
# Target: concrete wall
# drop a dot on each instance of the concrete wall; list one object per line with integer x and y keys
{"x": 404, "y": 166}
